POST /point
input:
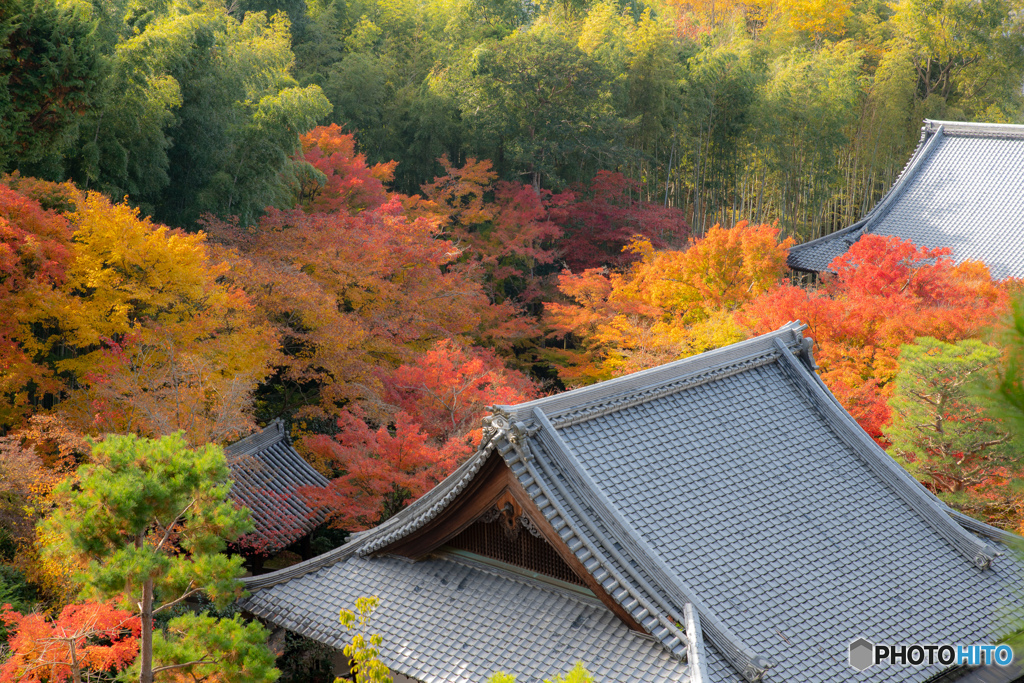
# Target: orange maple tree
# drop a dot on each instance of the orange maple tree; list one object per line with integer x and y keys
{"x": 382, "y": 468}
{"x": 119, "y": 323}
{"x": 510, "y": 229}
{"x": 356, "y": 287}
{"x": 343, "y": 181}
{"x": 439, "y": 399}
{"x": 35, "y": 252}
{"x": 448, "y": 389}
{"x": 885, "y": 292}
{"x": 84, "y": 642}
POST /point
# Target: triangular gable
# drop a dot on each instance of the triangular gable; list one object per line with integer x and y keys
{"x": 493, "y": 516}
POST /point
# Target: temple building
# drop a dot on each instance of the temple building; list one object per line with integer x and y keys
{"x": 961, "y": 189}
{"x": 717, "y": 519}
{"x": 269, "y": 476}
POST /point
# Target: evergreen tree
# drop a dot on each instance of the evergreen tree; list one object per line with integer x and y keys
{"x": 152, "y": 519}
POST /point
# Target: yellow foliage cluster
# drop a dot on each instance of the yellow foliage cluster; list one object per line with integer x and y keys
{"x": 668, "y": 305}
{"x": 145, "y": 333}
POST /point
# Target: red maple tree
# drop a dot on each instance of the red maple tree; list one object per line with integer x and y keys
{"x": 885, "y": 292}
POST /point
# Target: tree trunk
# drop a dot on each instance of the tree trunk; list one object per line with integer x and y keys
{"x": 76, "y": 670}
{"x": 146, "y": 646}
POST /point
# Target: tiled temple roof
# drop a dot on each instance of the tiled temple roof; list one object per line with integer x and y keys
{"x": 267, "y": 474}
{"x": 961, "y": 189}
{"x": 731, "y": 484}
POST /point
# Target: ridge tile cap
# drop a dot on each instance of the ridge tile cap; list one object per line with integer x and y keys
{"x": 974, "y": 128}
{"x": 635, "y": 383}
{"x": 258, "y": 441}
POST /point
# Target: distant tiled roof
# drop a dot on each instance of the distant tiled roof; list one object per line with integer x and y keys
{"x": 961, "y": 189}
{"x": 267, "y": 472}
{"x": 731, "y": 481}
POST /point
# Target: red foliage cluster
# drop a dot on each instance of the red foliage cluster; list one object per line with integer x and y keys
{"x": 348, "y": 184}
{"x": 440, "y": 398}
{"x": 885, "y": 293}
{"x": 605, "y": 217}
{"x": 383, "y": 468}
{"x": 448, "y": 389}
{"x": 34, "y": 256}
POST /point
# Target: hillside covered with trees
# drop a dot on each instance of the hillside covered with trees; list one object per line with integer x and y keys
{"x": 377, "y": 218}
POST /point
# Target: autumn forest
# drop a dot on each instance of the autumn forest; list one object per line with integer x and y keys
{"x": 374, "y": 219}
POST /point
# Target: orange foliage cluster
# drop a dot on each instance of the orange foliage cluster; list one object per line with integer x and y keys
{"x": 373, "y": 310}
{"x": 885, "y": 293}
{"x": 440, "y": 398}
{"x": 668, "y": 305}
{"x": 348, "y": 184}
{"x": 83, "y": 638}
{"x": 35, "y": 251}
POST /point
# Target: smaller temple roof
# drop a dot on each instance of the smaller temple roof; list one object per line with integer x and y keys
{"x": 267, "y": 472}
{"x": 960, "y": 189}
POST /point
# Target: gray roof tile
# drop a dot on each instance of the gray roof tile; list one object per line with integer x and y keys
{"x": 448, "y": 619}
{"x": 961, "y": 189}
{"x": 268, "y": 474}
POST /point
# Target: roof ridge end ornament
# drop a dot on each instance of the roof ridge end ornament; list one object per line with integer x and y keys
{"x": 502, "y": 424}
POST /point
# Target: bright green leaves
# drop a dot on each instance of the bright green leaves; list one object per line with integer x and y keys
{"x": 540, "y": 100}
{"x": 206, "y": 648}
{"x": 964, "y": 51}
{"x": 940, "y": 429}
{"x": 577, "y": 674}
{"x": 151, "y": 518}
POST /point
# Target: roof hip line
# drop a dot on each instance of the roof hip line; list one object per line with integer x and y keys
{"x": 695, "y": 656}
{"x": 750, "y": 664}
{"x": 884, "y": 467}
{"x": 923, "y": 151}
{"x": 596, "y": 553}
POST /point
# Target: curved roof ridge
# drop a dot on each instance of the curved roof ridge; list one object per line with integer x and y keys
{"x": 973, "y": 128}
{"x": 645, "y": 394}
{"x": 748, "y": 663}
{"x": 986, "y": 530}
{"x": 848, "y": 230}
{"x": 258, "y": 441}
{"x": 638, "y": 603}
{"x": 695, "y": 657}
{"x": 884, "y": 467}
{"x": 407, "y": 520}
{"x": 596, "y": 396}
{"x": 929, "y": 141}
{"x": 852, "y": 233}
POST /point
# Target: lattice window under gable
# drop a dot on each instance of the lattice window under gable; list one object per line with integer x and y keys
{"x": 514, "y": 541}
